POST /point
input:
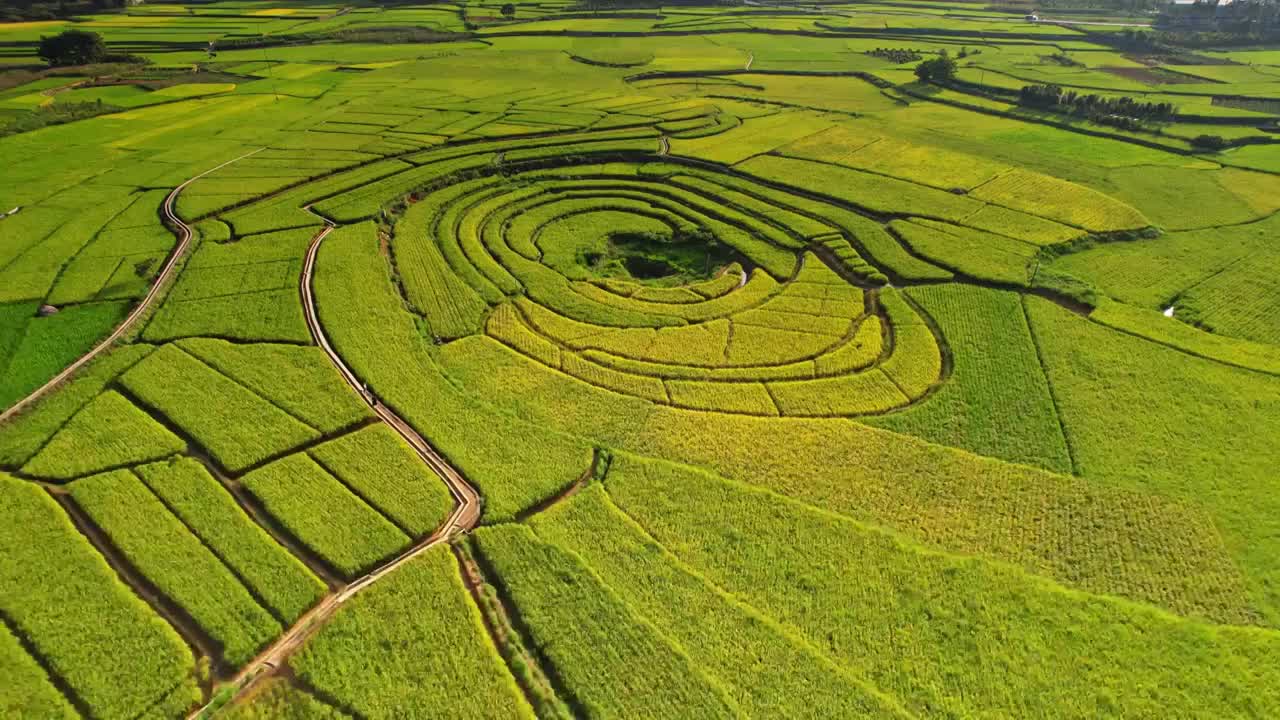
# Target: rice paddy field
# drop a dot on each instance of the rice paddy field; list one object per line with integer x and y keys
{"x": 431, "y": 360}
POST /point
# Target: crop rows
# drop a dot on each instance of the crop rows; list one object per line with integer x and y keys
{"x": 727, "y": 638}
{"x": 20, "y": 441}
{"x": 996, "y": 401}
{"x": 286, "y": 587}
{"x": 31, "y": 694}
{"x": 244, "y": 290}
{"x": 159, "y": 545}
{"x": 113, "y": 651}
{"x": 109, "y": 432}
{"x": 980, "y": 255}
{"x": 299, "y": 380}
{"x": 382, "y": 469}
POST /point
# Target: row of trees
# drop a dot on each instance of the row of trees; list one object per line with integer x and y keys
{"x": 896, "y": 55}
{"x": 1112, "y": 110}
{"x": 25, "y": 10}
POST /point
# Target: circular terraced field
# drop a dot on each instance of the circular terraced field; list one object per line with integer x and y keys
{"x": 785, "y": 330}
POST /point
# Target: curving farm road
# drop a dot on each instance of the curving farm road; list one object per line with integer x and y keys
{"x": 184, "y": 241}
{"x": 465, "y": 515}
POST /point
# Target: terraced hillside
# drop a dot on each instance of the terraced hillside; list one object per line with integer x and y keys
{"x": 693, "y": 362}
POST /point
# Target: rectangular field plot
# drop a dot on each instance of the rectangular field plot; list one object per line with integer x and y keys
{"x": 325, "y": 515}
{"x": 244, "y": 290}
{"x": 300, "y": 380}
{"x": 608, "y": 657}
{"x": 266, "y": 316}
{"x": 379, "y": 466}
{"x": 163, "y": 549}
{"x": 996, "y": 401}
{"x": 110, "y": 432}
{"x": 428, "y": 640}
{"x": 114, "y": 652}
{"x": 234, "y": 424}
{"x": 281, "y": 582}
{"x": 743, "y": 397}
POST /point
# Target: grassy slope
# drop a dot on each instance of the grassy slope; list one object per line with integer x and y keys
{"x": 1143, "y": 416}
{"x": 948, "y": 636}
{"x": 765, "y": 667}
{"x": 1094, "y": 537}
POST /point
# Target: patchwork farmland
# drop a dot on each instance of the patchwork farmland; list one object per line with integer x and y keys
{"x": 902, "y": 359}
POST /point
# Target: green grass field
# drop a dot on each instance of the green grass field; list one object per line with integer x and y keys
{"x": 593, "y": 361}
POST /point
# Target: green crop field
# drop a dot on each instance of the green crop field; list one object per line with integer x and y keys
{"x": 584, "y": 360}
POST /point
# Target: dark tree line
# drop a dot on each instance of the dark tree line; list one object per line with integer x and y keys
{"x": 896, "y": 55}
{"x": 1119, "y": 111}
{"x": 23, "y": 10}
{"x": 77, "y": 47}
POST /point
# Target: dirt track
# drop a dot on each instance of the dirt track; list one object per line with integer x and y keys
{"x": 184, "y": 241}
{"x": 465, "y": 515}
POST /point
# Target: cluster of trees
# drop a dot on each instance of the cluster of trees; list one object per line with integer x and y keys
{"x": 941, "y": 69}
{"x": 72, "y": 47}
{"x": 1139, "y": 41}
{"x": 1211, "y": 142}
{"x": 78, "y": 47}
{"x": 896, "y": 55}
{"x": 1120, "y": 111}
{"x": 55, "y": 114}
{"x": 1063, "y": 59}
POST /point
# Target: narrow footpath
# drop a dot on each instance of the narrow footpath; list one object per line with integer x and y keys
{"x": 465, "y": 515}
{"x": 184, "y": 241}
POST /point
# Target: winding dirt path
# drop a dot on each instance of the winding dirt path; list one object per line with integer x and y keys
{"x": 464, "y": 517}
{"x": 184, "y": 241}
{"x": 467, "y": 513}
